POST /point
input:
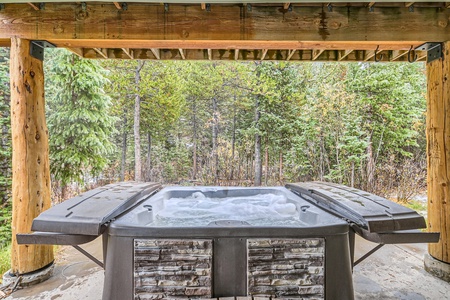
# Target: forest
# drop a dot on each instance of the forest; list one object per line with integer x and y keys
{"x": 226, "y": 123}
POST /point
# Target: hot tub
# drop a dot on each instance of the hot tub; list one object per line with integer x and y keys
{"x": 205, "y": 242}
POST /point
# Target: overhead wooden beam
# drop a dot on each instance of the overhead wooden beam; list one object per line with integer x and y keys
{"x": 128, "y": 52}
{"x": 316, "y": 53}
{"x": 447, "y": 4}
{"x": 183, "y": 56}
{"x": 203, "y": 6}
{"x": 232, "y": 44}
{"x": 343, "y": 54}
{"x": 370, "y": 4}
{"x": 210, "y": 54}
{"x": 264, "y": 53}
{"x": 290, "y": 54}
{"x": 103, "y": 52}
{"x": 31, "y": 187}
{"x": 396, "y": 54}
{"x": 117, "y": 5}
{"x": 286, "y": 5}
{"x": 34, "y": 6}
{"x": 156, "y": 53}
{"x": 408, "y": 4}
{"x": 189, "y": 22}
{"x": 78, "y": 51}
{"x": 369, "y": 55}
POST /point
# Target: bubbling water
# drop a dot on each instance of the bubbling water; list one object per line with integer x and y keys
{"x": 200, "y": 210}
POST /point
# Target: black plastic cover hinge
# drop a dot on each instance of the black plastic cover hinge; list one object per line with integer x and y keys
{"x": 434, "y": 50}
{"x": 37, "y": 49}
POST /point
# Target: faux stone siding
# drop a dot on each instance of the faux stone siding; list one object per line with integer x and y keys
{"x": 172, "y": 269}
{"x": 286, "y": 268}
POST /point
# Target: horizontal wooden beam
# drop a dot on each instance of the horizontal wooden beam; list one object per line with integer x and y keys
{"x": 234, "y": 44}
{"x": 225, "y": 22}
{"x": 255, "y": 54}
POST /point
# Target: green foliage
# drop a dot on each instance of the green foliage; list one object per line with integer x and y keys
{"x": 5, "y": 150}
{"x": 78, "y": 117}
{"x": 5, "y": 260}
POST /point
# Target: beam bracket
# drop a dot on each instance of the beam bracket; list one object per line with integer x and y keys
{"x": 434, "y": 50}
{"x": 37, "y": 49}
{"x": 2, "y": 6}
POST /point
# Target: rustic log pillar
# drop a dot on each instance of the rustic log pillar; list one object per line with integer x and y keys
{"x": 30, "y": 161}
{"x": 438, "y": 157}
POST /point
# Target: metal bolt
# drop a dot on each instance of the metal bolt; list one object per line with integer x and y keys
{"x": 330, "y": 7}
{"x": 166, "y": 7}
{"x": 249, "y": 7}
{"x": 411, "y": 8}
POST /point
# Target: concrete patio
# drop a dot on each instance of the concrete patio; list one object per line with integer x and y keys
{"x": 393, "y": 272}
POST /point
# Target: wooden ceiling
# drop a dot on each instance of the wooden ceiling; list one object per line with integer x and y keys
{"x": 229, "y": 30}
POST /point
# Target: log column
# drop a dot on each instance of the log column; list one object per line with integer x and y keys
{"x": 30, "y": 161}
{"x": 438, "y": 157}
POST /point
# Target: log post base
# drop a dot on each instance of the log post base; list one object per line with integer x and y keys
{"x": 31, "y": 278}
{"x": 436, "y": 267}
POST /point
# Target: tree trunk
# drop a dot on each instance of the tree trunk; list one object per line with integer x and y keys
{"x": 124, "y": 148}
{"x": 137, "y": 125}
{"x": 258, "y": 162}
{"x": 280, "y": 172}
{"x": 215, "y": 132}
{"x": 370, "y": 168}
{"x": 31, "y": 188}
{"x": 438, "y": 158}
{"x": 233, "y": 140}
{"x": 266, "y": 162}
{"x": 149, "y": 157}
{"x": 194, "y": 151}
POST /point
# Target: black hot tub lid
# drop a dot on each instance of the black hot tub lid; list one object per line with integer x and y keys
{"x": 88, "y": 213}
{"x": 368, "y": 211}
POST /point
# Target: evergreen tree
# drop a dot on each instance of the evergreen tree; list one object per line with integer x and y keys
{"x": 78, "y": 118}
{"x": 5, "y": 149}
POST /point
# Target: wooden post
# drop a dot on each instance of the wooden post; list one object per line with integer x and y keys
{"x": 438, "y": 153}
{"x": 30, "y": 161}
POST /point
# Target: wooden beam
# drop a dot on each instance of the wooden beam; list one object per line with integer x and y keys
{"x": 183, "y": 56}
{"x": 396, "y": 54}
{"x": 189, "y": 22}
{"x": 343, "y": 54}
{"x": 31, "y": 186}
{"x": 203, "y": 6}
{"x": 156, "y": 53}
{"x": 128, "y": 52}
{"x": 77, "y": 51}
{"x": 408, "y": 4}
{"x": 290, "y": 54}
{"x": 438, "y": 160}
{"x": 316, "y": 53}
{"x": 34, "y": 6}
{"x": 371, "y": 4}
{"x": 210, "y": 54}
{"x": 236, "y": 54}
{"x": 286, "y": 5}
{"x": 233, "y": 44}
{"x": 447, "y": 4}
{"x": 118, "y": 5}
{"x": 369, "y": 55}
{"x": 264, "y": 53}
{"x": 103, "y": 52}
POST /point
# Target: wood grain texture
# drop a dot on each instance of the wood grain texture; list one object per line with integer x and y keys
{"x": 438, "y": 157}
{"x": 30, "y": 160}
{"x": 224, "y": 22}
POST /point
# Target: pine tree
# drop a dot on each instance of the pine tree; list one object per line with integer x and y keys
{"x": 78, "y": 118}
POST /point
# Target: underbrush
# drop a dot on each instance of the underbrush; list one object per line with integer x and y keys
{"x": 5, "y": 260}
